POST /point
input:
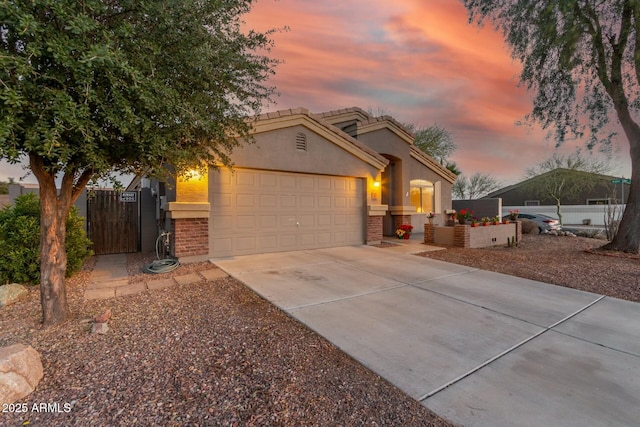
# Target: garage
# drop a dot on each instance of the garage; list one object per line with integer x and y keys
{"x": 258, "y": 211}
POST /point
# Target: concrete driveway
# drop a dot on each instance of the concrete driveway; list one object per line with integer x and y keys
{"x": 476, "y": 347}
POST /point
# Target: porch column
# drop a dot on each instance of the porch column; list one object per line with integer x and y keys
{"x": 402, "y": 215}
{"x": 374, "y": 223}
{"x": 190, "y": 218}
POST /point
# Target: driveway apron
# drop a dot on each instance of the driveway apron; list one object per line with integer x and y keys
{"x": 476, "y": 347}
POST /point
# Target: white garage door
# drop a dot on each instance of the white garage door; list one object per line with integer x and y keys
{"x": 255, "y": 211}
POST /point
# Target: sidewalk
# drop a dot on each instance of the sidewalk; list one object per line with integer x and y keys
{"x": 110, "y": 278}
{"x": 414, "y": 245}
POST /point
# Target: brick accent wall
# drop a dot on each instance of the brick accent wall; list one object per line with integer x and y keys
{"x": 374, "y": 230}
{"x": 398, "y": 220}
{"x": 189, "y": 236}
{"x": 429, "y": 232}
{"x": 462, "y": 236}
{"x": 518, "y": 231}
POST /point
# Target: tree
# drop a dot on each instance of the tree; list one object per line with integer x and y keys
{"x": 564, "y": 177}
{"x": 96, "y": 86}
{"x": 435, "y": 141}
{"x": 581, "y": 60}
{"x": 474, "y": 187}
{"x": 4, "y": 186}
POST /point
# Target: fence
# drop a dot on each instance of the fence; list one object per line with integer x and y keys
{"x": 571, "y": 214}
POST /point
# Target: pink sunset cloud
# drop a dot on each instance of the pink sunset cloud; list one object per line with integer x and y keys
{"x": 420, "y": 61}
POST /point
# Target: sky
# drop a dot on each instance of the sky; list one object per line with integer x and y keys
{"x": 419, "y": 61}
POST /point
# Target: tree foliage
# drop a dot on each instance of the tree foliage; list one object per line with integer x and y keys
{"x": 435, "y": 141}
{"x": 581, "y": 62}
{"x": 562, "y": 177}
{"x": 94, "y": 86}
{"x": 474, "y": 187}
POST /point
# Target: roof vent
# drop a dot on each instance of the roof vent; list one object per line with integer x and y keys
{"x": 301, "y": 142}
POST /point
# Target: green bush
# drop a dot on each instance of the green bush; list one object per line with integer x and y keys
{"x": 20, "y": 241}
{"x": 529, "y": 227}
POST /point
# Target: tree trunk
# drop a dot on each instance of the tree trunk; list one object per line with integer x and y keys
{"x": 627, "y": 239}
{"x": 53, "y": 257}
{"x": 54, "y": 210}
{"x": 559, "y": 210}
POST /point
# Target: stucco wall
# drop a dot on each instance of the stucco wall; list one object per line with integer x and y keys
{"x": 276, "y": 150}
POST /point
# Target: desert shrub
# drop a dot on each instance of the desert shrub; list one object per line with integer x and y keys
{"x": 20, "y": 241}
{"x": 529, "y": 227}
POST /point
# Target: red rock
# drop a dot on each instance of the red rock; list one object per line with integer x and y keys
{"x": 104, "y": 317}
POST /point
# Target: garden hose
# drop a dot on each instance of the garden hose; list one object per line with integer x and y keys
{"x": 161, "y": 266}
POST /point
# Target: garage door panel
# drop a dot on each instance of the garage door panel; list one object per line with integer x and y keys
{"x": 339, "y": 220}
{"x": 268, "y": 242}
{"x": 324, "y": 220}
{"x": 246, "y": 221}
{"x": 222, "y": 245}
{"x": 266, "y": 201}
{"x": 324, "y": 238}
{"x": 222, "y": 200}
{"x": 246, "y": 201}
{"x": 356, "y": 202}
{"x": 221, "y": 223}
{"x": 340, "y": 185}
{"x": 268, "y": 221}
{"x": 307, "y": 202}
{"x": 339, "y": 202}
{"x": 306, "y": 240}
{"x": 286, "y": 222}
{"x": 287, "y": 201}
{"x": 287, "y": 241}
{"x": 306, "y": 183}
{"x": 324, "y": 184}
{"x": 269, "y": 211}
{"x": 267, "y": 181}
{"x": 246, "y": 179}
{"x": 245, "y": 243}
{"x": 287, "y": 181}
{"x": 307, "y": 220}
{"x": 324, "y": 202}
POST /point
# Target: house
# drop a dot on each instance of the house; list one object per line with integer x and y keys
{"x": 308, "y": 181}
{"x": 607, "y": 189}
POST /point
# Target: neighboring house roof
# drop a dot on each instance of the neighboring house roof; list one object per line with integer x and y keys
{"x": 301, "y": 116}
{"x": 501, "y": 191}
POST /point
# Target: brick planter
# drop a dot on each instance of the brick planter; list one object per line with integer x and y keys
{"x": 465, "y": 236}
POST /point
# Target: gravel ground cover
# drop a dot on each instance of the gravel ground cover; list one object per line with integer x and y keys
{"x": 574, "y": 262}
{"x": 206, "y": 354}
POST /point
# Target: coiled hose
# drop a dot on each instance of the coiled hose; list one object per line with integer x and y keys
{"x": 161, "y": 265}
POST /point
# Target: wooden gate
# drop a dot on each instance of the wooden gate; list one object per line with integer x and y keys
{"x": 113, "y": 221}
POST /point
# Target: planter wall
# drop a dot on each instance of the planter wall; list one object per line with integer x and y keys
{"x": 472, "y": 237}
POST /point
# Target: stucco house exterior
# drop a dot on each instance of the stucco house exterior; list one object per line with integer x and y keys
{"x": 308, "y": 181}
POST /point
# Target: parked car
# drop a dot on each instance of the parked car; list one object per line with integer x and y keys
{"x": 545, "y": 222}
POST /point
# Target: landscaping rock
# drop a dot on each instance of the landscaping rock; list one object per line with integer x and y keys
{"x": 104, "y": 317}
{"x": 20, "y": 372}
{"x": 99, "y": 328}
{"x": 11, "y": 293}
